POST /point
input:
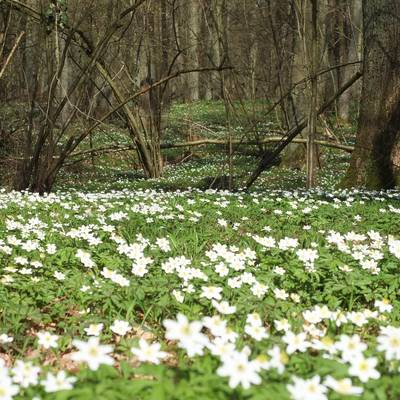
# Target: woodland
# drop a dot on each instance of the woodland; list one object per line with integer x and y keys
{"x": 199, "y": 199}
{"x": 70, "y": 70}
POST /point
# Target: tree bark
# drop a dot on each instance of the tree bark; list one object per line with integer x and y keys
{"x": 374, "y": 163}
{"x": 298, "y": 103}
{"x": 342, "y": 27}
{"x": 312, "y": 123}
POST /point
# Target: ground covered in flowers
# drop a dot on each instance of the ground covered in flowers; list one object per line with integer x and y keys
{"x": 149, "y": 294}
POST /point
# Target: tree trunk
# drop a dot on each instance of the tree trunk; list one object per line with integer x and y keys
{"x": 376, "y": 154}
{"x": 193, "y": 38}
{"x": 342, "y": 24}
{"x": 313, "y": 112}
{"x": 297, "y": 105}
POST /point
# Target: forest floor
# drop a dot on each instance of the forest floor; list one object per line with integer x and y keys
{"x": 115, "y": 287}
{"x": 195, "y": 167}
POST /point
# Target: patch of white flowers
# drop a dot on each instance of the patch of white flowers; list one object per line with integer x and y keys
{"x": 214, "y": 278}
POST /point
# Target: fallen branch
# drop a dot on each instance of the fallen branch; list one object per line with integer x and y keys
{"x": 271, "y": 139}
{"x": 102, "y": 150}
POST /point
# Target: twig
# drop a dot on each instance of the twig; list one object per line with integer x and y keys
{"x": 8, "y": 59}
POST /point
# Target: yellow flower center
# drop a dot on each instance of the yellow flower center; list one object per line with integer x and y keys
{"x": 241, "y": 368}
{"x": 93, "y": 352}
{"x": 394, "y": 342}
{"x": 185, "y": 330}
{"x": 312, "y": 388}
{"x": 343, "y": 386}
{"x": 284, "y": 358}
{"x": 363, "y": 366}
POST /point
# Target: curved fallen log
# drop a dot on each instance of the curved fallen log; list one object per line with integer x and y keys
{"x": 270, "y": 139}
{"x": 203, "y": 142}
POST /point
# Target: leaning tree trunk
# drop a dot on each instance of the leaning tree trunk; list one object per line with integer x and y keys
{"x": 374, "y": 163}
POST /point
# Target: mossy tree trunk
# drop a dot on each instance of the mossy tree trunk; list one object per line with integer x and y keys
{"x": 374, "y": 163}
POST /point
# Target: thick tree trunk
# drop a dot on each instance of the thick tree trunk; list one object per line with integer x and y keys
{"x": 376, "y": 154}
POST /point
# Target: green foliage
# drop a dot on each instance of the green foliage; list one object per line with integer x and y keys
{"x": 36, "y": 301}
{"x": 192, "y": 221}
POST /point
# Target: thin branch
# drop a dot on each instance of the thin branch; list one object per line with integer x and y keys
{"x": 24, "y": 8}
{"x": 8, "y": 59}
{"x": 141, "y": 93}
{"x": 306, "y": 79}
{"x": 270, "y": 157}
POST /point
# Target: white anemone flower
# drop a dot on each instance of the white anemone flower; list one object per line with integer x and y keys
{"x": 149, "y": 352}
{"x": 92, "y": 353}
